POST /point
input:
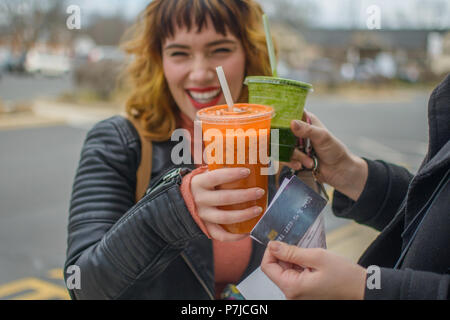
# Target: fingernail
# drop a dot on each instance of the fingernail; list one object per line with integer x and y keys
{"x": 257, "y": 210}
{"x": 260, "y": 192}
{"x": 310, "y": 163}
{"x": 245, "y": 172}
{"x": 274, "y": 246}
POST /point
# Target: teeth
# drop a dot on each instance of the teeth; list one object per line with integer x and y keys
{"x": 203, "y": 97}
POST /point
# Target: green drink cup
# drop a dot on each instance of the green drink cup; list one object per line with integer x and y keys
{"x": 287, "y": 98}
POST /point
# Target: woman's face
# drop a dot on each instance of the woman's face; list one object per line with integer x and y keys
{"x": 190, "y": 60}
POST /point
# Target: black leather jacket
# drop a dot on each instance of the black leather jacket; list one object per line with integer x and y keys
{"x": 394, "y": 202}
{"x": 149, "y": 250}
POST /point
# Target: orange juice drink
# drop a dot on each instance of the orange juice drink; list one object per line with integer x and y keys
{"x": 239, "y": 139}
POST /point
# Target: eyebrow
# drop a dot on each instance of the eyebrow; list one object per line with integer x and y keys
{"x": 210, "y": 44}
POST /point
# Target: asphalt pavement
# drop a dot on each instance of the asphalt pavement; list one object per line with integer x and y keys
{"x": 19, "y": 87}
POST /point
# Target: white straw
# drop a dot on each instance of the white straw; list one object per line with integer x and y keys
{"x": 225, "y": 89}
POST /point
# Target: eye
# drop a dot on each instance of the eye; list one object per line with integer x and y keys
{"x": 222, "y": 50}
{"x": 179, "y": 54}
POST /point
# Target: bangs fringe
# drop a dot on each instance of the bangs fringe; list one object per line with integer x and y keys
{"x": 190, "y": 13}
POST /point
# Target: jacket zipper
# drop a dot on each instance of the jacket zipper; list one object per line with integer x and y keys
{"x": 211, "y": 296}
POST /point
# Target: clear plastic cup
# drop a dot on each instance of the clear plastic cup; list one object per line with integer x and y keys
{"x": 239, "y": 139}
{"x": 287, "y": 97}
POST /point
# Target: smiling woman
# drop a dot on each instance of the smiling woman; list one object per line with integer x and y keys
{"x": 170, "y": 244}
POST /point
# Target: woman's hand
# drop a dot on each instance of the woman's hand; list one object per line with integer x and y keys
{"x": 207, "y": 199}
{"x": 337, "y": 166}
{"x": 312, "y": 273}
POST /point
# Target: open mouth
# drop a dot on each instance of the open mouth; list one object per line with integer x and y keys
{"x": 202, "y": 98}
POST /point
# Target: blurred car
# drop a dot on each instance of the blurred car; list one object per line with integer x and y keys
{"x": 15, "y": 63}
{"x": 47, "y": 64}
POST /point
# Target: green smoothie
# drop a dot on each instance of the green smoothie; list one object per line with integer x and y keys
{"x": 287, "y": 97}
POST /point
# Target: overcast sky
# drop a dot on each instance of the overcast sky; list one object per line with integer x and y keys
{"x": 328, "y": 13}
{"x": 393, "y": 13}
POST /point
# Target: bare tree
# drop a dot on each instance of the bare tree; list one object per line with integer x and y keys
{"x": 27, "y": 20}
{"x": 107, "y": 30}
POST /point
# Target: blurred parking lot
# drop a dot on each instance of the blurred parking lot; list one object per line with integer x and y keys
{"x": 371, "y": 89}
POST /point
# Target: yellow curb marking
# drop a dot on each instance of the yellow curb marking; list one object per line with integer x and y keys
{"x": 41, "y": 290}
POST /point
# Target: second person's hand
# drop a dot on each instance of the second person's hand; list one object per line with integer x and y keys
{"x": 338, "y": 167}
{"x": 312, "y": 273}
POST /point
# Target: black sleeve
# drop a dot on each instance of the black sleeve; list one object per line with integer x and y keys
{"x": 110, "y": 238}
{"x": 409, "y": 284}
{"x": 385, "y": 188}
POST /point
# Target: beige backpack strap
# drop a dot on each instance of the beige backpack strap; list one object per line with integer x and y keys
{"x": 144, "y": 170}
